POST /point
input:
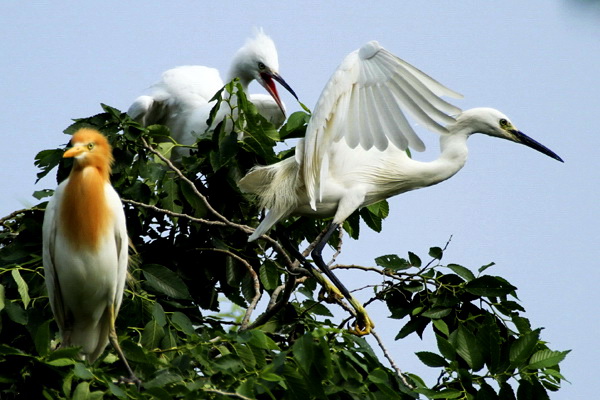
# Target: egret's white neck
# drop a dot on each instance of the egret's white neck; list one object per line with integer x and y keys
{"x": 453, "y": 155}
{"x": 239, "y": 70}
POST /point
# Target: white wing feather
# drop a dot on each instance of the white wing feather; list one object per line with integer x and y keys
{"x": 364, "y": 103}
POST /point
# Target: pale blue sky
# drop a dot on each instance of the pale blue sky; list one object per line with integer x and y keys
{"x": 537, "y": 61}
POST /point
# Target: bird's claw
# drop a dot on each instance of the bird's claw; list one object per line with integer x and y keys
{"x": 131, "y": 380}
{"x": 330, "y": 294}
{"x": 362, "y": 326}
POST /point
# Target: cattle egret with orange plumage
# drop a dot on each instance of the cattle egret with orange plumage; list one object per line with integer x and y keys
{"x": 85, "y": 249}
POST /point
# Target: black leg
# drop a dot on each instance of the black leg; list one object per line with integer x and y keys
{"x": 363, "y": 324}
{"x": 318, "y": 259}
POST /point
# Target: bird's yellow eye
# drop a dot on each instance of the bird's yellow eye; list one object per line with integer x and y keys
{"x": 90, "y": 146}
{"x": 504, "y": 123}
{"x": 261, "y": 66}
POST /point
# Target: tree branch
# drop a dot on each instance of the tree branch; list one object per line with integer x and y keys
{"x": 390, "y": 359}
{"x": 257, "y": 294}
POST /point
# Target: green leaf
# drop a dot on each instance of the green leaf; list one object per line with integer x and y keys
{"x": 192, "y": 198}
{"x": 546, "y": 358}
{"x": 81, "y": 371}
{"x": 489, "y": 286}
{"x": 163, "y": 379}
{"x": 506, "y": 392}
{"x": 245, "y": 354}
{"x": 380, "y": 209}
{"x": 446, "y": 394}
{"x": 42, "y": 338}
{"x": 414, "y": 259}
{"x": 82, "y": 391}
{"x": 170, "y": 200}
{"x": 182, "y": 323}
{"x": 16, "y": 312}
{"x": 392, "y": 261}
{"x": 437, "y": 312}
{"x": 269, "y": 275}
{"x": 436, "y": 252}
{"x": 523, "y": 348}
{"x": 164, "y": 281}
{"x": 431, "y": 359}
{"x": 22, "y": 287}
{"x": 461, "y": 271}
{"x": 468, "y": 348}
{"x": 481, "y": 269}
{"x": 304, "y": 352}
{"x": 62, "y": 362}
{"x": 446, "y": 348}
{"x": 152, "y": 335}
{"x": 46, "y": 160}
{"x": 372, "y": 220}
{"x": 159, "y": 314}
{"x": 441, "y": 326}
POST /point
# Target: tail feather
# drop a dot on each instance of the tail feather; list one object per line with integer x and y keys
{"x": 91, "y": 336}
{"x": 276, "y": 187}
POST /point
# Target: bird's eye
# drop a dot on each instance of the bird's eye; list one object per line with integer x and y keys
{"x": 90, "y": 146}
{"x": 504, "y": 123}
{"x": 261, "y": 66}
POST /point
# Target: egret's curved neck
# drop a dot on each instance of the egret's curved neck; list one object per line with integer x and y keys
{"x": 239, "y": 70}
{"x": 453, "y": 155}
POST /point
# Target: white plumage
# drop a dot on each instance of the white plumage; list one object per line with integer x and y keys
{"x": 354, "y": 152}
{"x": 85, "y": 249}
{"x": 181, "y": 100}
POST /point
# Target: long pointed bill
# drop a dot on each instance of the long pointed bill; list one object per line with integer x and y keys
{"x": 272, "y": 89}
{"x": 529, "y": 142}
{"x": 74, "y": 151}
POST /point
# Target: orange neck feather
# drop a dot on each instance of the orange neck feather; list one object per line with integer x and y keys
{"x": 84, "y": 213}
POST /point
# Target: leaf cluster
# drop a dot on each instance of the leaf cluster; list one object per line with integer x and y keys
{"x": 191, "y": 324}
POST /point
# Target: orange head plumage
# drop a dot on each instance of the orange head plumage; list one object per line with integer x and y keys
{"x": 90, "y": 148}
{"x": 84, "y": 212}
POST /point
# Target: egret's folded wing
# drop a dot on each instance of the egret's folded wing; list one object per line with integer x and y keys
{"x": 180, "y": 90}
{"x": 121, "y": 242}
{"x": 48, "y": 249}
{"x": 364, "y": 103}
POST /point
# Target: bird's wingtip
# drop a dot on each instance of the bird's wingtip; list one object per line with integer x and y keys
{"x": 369, "y": 50}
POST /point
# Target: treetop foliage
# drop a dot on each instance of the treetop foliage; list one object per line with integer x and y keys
{"x": 191, "y": 324}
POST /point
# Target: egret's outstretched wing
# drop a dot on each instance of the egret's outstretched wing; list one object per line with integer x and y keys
{"x": 364, "y": 103}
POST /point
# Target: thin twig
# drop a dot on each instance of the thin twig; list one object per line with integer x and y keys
{"x": 256, "y": 281}
{"x": 244, "y": 228}
{"x": 390, "y": 359}
{"x": 239, "y": 396}
{"x": 274, "y": 308}
{"x": 15, "y": 213}
{"x": 173, "y": 213}
{"x": 338, "y": 249}
{"x": 224, "y": 220}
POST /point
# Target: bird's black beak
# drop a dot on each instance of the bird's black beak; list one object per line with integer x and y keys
{"x": 269, "y": 85}
{"x": 283, "y": 83}
{"x": 522, "y": 138}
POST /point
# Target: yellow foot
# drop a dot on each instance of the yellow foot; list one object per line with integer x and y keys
{"x": 363, "y": 324}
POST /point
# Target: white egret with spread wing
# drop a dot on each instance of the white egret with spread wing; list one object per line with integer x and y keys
{"x": 354, "y": 152}
{"x": 181, "y": 100}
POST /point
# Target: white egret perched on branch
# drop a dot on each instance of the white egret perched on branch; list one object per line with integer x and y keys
{"x": 85, "y": 249}
{"x": 181, "y": 100}
{"x": 354, "y": 152}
